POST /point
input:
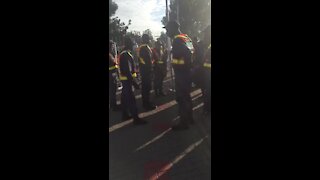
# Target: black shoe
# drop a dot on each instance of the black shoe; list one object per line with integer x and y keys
{"x": 139, "y": 121}
{"x": 126, "y": 117}
{"x": 149, "y": 107}
{"x": 116, "y": 108}
{"x": 180, "y": 126}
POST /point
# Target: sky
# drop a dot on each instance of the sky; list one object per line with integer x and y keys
{"x": 144, "y": 14}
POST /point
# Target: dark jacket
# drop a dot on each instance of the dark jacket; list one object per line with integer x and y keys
{"x": 145, "y": 58}
{"x": 126, "y": 65}
{"x": 160, "y": 59}
{"x": 182, "y": 50}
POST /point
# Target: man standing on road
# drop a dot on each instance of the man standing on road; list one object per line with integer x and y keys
{"x": 127, "y": 75}
{"x": 145, "y": 58}
{"x": 113, "y": 79}
{"x": 182, "y": 50}
{"x": 160, "y": 68}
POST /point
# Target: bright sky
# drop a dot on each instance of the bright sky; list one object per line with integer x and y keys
{"x": 144, "y": 14}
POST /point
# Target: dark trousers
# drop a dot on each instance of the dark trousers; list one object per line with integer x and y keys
{"x": 112, "y": 92}
{"x": 128, "y": 100}
{"x": 183, "y": 89}
{"x": 159, "y": 75}
{"x": 145, "y": 86}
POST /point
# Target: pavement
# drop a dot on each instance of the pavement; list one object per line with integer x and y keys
{"x": 154, "y": 151}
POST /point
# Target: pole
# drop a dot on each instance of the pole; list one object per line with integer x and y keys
{"x": 178, "y": 11}
{"x": 169, "y": 52}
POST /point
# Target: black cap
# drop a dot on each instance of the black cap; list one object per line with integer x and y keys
{"x": 172, "y": 24}
{"x": 128, "y": 41}
{"x": 145, "y": 37}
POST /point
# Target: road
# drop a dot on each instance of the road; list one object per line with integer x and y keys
{"x": 154, "y": 151}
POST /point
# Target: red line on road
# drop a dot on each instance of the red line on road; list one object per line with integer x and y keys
{"x": 168, "y": 166}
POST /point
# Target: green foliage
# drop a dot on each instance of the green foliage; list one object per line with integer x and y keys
{"x": 112, "y": 8}
{"x": 163, "y": 38}
{"x": 194, "y": 15}
{"x": 117, "y": 29}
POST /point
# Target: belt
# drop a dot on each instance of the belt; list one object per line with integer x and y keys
{"x": 207, "y": 65}
{"x": 112, "y": 68}
{"x": 123, "y": 78}
{"x": 177, "y": 61}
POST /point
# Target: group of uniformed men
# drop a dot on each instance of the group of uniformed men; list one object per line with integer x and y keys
{"x": 191, "y": 62}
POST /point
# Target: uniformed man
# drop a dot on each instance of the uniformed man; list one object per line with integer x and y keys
{"x": 145, "y": 58}
{"x": 207, "y": 70}
{"x": 127, "y": 75}
{"x": 160, "y": 68}
{"x": 182, "y": 50}
{"x": 113, "y": 79}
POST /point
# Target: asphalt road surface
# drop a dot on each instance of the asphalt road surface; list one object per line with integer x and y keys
{"x": 154, "y": 151}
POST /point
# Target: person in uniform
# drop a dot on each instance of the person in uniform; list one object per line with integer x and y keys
{"x": 182, "y": 51}
{"x": 160, "y": 68}
{"x": 145, "y": 58}
{"x": 113, "y": 79}
{"x": 127, "y": 75}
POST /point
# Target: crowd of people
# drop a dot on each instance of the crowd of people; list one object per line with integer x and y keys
{"x": 190, "y": 60}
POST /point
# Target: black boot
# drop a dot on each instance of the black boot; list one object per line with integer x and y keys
{"x": 126, "y": 116}
{"x": 149, "y": 106}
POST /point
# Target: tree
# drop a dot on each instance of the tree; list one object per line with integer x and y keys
{"x": 117, "y": 29}
{"x": 194, "y": 15}
{"x": 163, "y": 38}
{"x": 112, "y": 8}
